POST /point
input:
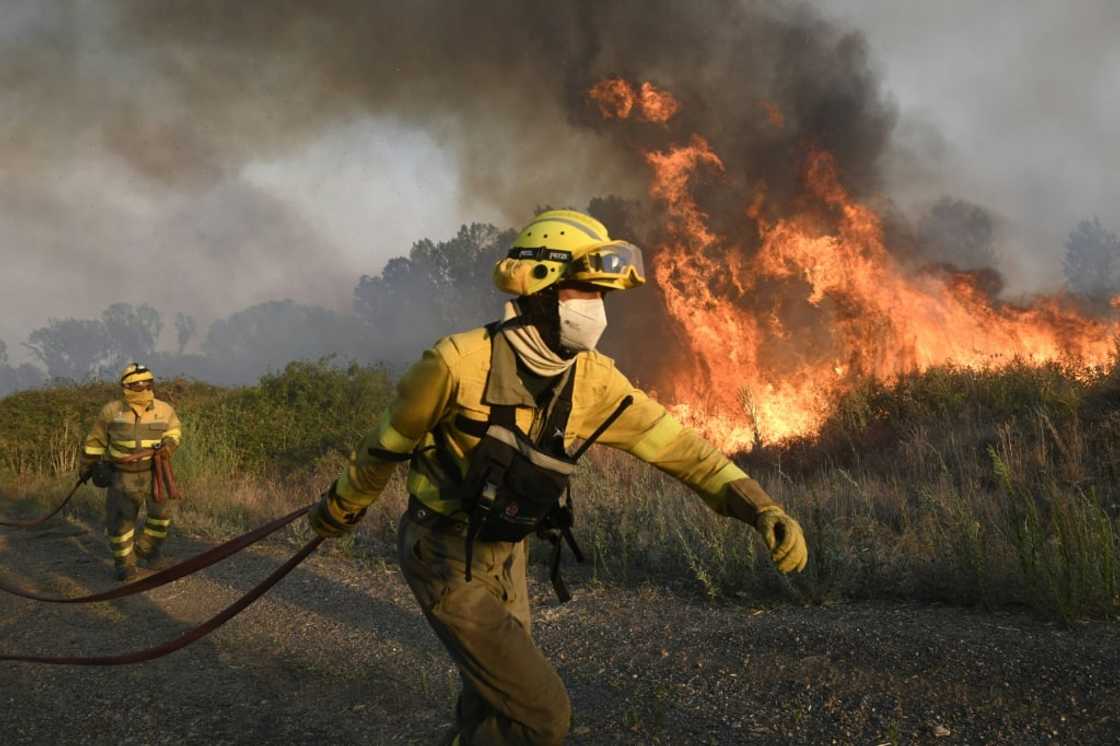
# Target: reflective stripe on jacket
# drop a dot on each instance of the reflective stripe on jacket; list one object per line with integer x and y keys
{"x": 121, "y": 431}
{"x": 454, "y": 380}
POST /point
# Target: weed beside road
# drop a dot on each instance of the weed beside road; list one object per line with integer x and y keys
{"x": 978, "y": 488}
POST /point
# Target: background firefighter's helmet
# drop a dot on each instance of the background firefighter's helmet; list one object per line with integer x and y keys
{"x": 135, "y": 373}
{"x": 560, "y": 245}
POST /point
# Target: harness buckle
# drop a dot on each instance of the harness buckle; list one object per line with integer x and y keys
{"x": 488, "y": 496}
{"x": 486, "y": 500}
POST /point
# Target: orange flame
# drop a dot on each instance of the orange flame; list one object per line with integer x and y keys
{"x": 617, "y": 99}
{"x": 657, "y": 105}
{"x": 776, "y": 334}
{"x": 614, "y": 96}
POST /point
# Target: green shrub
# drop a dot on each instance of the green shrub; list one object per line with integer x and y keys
{"x": 288, "y": 422}
{"x": 41, "y": 430}
{"x": 291, "y": 420}
{"x": 995, "y": 487}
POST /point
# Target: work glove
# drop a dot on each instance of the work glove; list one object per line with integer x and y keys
{"x": 784, "y": 539}
{"x": 746, "y": 500}
{"x": 167, "y": 446}
{"x": 330, "y": 519}
{"x": 85, "y": 466}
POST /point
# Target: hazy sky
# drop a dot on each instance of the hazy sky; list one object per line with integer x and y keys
{"x": 1012, "y": 105}
{"x": 1017, "y": 102}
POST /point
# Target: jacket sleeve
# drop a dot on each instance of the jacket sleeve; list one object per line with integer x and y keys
{"x": 174, "y": 428}
{"x": 422, "y": 397}
{"x": 97, "y": 442}
{"x": 649, "y": 432}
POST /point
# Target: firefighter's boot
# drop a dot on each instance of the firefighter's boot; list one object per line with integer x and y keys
{"x": 149, "y": 546}
{"x": 126, "y": 570}
{"x": 154, "y": 559}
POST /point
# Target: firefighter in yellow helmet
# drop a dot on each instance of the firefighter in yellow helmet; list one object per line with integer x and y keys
{"x": 127, "y": 440}
{"x": 489, "y": 420}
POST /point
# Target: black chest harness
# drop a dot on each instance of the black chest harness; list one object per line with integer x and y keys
{"x": 515, "y": 487}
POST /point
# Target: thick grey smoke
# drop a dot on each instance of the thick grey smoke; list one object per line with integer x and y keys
{"x": 204, "y": 155}
{"x": 136, "y": 133}
{"x": 1011, "y": 104}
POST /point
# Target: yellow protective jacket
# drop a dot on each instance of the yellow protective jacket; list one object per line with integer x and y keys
{"x": 465, "y": 373}
{"x": 122, "y": 431}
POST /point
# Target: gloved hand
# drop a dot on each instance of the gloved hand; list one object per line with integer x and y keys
{"x": 85, "y": 467}
{"x": 746, "y": 500}
{"x": 330, "y": 519}
{"x": 783, "y": 538}
{"x": 167, "y": 446}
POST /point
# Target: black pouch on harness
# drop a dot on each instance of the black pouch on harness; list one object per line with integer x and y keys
{"x": 519, "y": 490}
{"x": 517, "y": 485}
{"x": 514, "y": 487}
{"x": 102, "y": 473}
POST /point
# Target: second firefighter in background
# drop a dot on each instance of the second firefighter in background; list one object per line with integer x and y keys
{"x": 128, "y": 437}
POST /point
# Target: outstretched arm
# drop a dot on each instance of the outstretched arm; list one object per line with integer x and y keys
{"x": 422, "y": 396}
{"x": 649, "y": 432}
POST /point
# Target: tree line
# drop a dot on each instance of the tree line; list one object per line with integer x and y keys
{"x": 438, "y": 288}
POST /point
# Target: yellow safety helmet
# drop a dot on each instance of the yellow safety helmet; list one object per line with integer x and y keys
{"x": 135, "y": 373}
{"x": 560, "y": 245}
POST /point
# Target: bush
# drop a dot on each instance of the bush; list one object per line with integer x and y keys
{"x": 288, "y": 422}
{"x": 41, "y": 430}
{"x": 291, "y": 420}
{"x": 970, "y": 487}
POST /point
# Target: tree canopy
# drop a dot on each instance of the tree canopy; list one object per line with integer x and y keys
{"x": 80, "y": 349}
{"x": 439, "y": 288}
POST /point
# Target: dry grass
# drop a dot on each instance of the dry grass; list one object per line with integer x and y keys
{"x": 1001, "y": 495}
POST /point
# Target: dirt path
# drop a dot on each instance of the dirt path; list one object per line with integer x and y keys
{"x": 338, "y": 653}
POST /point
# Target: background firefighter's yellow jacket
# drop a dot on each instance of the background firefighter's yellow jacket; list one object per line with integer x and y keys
{"x": 121, "y": 431}
{"x": 465, "y": 373}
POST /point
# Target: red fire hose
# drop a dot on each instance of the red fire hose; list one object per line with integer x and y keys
{"x": 171, "y": 574}
{"x": 48, "y": 516}
{"x": 197, "y": 633}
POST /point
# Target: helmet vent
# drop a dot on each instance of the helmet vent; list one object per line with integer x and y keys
{"x": 540, "y": 271}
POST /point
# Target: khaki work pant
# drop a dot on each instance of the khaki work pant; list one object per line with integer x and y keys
{"x": 511, "y": 693}
{"x": 127, "y": 492}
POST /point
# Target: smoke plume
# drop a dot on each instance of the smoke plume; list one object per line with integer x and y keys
{"x": 141, "y": 140}
{"x": 133, "y": 129}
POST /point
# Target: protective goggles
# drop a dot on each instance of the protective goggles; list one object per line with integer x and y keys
{"x": 609, "y": 261}
{"x": 618, "y": 258}
{"x": 138, "y": 385}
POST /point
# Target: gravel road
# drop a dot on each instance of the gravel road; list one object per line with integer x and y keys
{"x": 338, "y": 653}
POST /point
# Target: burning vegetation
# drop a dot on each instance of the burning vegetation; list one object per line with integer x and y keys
{"x": 776, "y": 324}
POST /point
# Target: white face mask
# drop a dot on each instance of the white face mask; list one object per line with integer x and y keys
{"x": 582, "y": 322}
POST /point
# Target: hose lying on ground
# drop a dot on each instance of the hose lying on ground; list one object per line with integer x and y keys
{"x": 171, "y": 574}
{"x": 191, "y": 635}
{"x": 48, "y": 516}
